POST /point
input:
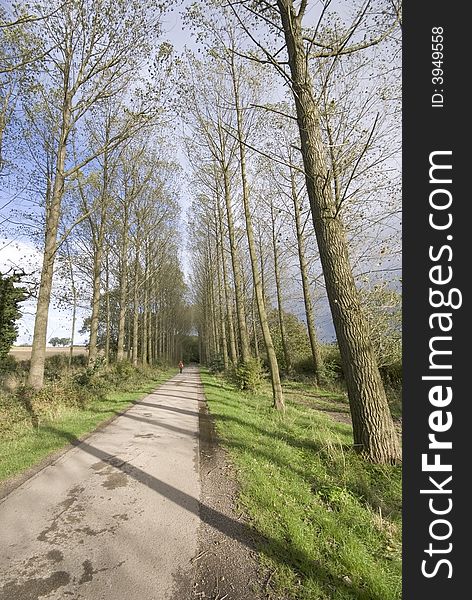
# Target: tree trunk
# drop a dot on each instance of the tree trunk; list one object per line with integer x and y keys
{"x": 53, "y": 213}
{"x": 254, "y": 325}
{"x": 374, "y": 432}
{"x": 108, "y": 315}
{"x": 120, "y": 353}
{"x": 222, "y": 316}
{"x": 213, "y": 312}
{"x": 283, "y": 334}
{"x": 150, "y": 358}
{"x": 277, "y": 393}
{"x": 309, "y": 313}
{"x": 262, "y": 268}
{"x": 144, "y": 341}
{"x": 241, "y": 312}
{"x": 72, "y": 332}
{"x": 98, "y": 237}
{"x": 97, "y": 271}
{"x": 74, "y": 310}
{"x": 227, "y": 294}
{"x": 134, "y": 353}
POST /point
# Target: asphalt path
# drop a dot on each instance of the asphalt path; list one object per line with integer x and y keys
{"x": 115, "y": 517}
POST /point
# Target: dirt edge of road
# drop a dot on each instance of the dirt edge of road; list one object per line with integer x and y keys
{"x": 226, "y": 565}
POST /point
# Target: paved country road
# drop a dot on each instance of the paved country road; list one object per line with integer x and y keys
{"x": 116, "y": 517}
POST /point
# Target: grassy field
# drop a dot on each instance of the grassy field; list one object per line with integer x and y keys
{"x": 24, "y": 352}
{"x": 25, "y": 444}
{"x": 331, "y": 522}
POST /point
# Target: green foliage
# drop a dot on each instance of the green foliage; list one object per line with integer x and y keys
{"x": 64, "y": 388}
{"x": 28, "y": 408}
{"x": 10, "y": 298}
{"x": 332, "y": 372}
{"x": 56, "y": 341}
{"x": 216, "y": 365}
{"x": 124, "y": 369}
{"x": 383, "y": 309}
{"x": 55, "y": 365}
{"x": 247, "y": 376}
{"x": 327, "y": 523}
{"x": 89, "y": 378}
{"x": 296, "y": 337}
{"x": 8, "y": 364}
{"x": 392, "y": 376}
{"x": 334, "y": 496}
{"x": 190, "y": 349}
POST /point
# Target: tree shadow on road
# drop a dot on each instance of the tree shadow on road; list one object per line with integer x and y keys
{"x": 276, "y": 549}
{"x": 182, "y": 411}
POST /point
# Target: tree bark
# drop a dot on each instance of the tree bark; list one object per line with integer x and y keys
{"x": 237, "y": 277}
{"x": 53, "y": 213}
{"x": 97, "y": 272}
{"x": 277, "y": 393}
{"x": 98, "y": 237}
{"x": 374, "y": 432}
{"x": 120, "y": 354}
{"x": 309, "y": 312}
{"x": 222, "y": 316}
{"x": 134, "y": 353}
{"x": 144, "y": 338}
{"x": 227, "y": 294}
{"x": 283, "y": 333}
{"x": 108, "y": 315}
{"x": 254, "y": 325}
{"x": 74, "y": 306}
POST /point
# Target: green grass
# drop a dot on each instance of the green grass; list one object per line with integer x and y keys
{"x": 331, "y": 523}
{"x": 27, "y": 445}
{"x": 323, "y": 400}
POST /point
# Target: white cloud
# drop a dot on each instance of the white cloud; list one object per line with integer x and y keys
{"x": 17, "y": 254}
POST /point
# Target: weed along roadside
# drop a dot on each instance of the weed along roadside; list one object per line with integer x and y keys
{"x": 74, "y": 404}
{"x": 330, "y": 520}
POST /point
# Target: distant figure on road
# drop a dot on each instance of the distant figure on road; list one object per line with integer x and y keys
{"x": 181, "y": 366}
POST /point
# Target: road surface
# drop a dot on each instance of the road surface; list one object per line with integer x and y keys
{"x": 115, "y": 517}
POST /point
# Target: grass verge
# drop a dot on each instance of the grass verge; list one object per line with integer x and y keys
{"x": 332, "y": 522}
{"x": 26, "y": 445}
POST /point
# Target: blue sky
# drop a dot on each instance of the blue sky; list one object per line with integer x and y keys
{"x": 60, "y": 321}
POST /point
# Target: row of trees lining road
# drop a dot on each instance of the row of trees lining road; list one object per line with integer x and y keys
{"x": 290, "y": 117}
{"x": 261, "y": 158}
{"x": 138, "y": 309}
{"x": 85, "y": 135}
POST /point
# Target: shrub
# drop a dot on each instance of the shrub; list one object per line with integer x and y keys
{"x": 89, "y": 380}
{"x": 92, "y": 378}
{"x": 8, "y": 364}
{"x": 304, "y": 366}
{"x": 22, "y": 406}
{"x": 79, "y": 360}
{"x": 247, "y": 376}
{"x": 332, "y": 375}
{"x": 392, "y": 375}
{"x": 55, "y": 366}
{"x": 216, "y": 365}
{"x": 124, "y": 369}
{"x": 10, "y": 376}
{"x": 30, "y": 407}
{"x": 12, "y": 412}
